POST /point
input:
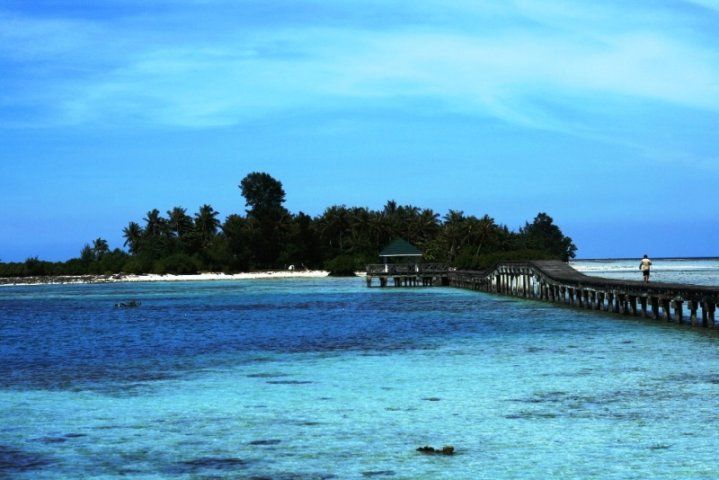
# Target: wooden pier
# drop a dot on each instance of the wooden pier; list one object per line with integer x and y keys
{"x": 557, "y": 282}
{"x": 408, "y": 275}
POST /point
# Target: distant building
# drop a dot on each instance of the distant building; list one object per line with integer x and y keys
{"x": 401, "y": 263}
{"x": 400, "y": 251}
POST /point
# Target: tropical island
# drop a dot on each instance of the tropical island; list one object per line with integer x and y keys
{"x": 269, "y": 237}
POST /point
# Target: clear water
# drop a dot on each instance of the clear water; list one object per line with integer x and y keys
{"x": 695, "y": 271}
{"x": 311, "y": 379}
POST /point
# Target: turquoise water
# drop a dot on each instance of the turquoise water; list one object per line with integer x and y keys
{"x": 695, "y": 271}
{"x": 312, "y": 379}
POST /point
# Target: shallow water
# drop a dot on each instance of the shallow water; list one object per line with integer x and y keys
{"x": 324, "y": 378}
{"x": 695, "y": 271}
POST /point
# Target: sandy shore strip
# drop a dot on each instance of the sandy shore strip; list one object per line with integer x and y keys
{"x": 151, "y": 277}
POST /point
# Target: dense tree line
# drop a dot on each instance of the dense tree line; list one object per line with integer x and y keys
{"x": 268, "y": 236}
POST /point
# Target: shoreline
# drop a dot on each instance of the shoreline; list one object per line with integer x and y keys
{"x": 153, "y": 277}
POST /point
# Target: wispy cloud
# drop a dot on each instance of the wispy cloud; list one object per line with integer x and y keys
{"x": 125, "y": 72}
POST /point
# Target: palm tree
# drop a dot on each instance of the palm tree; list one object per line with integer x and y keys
{"x": 206, "y": 222}
{"x": 154, "y": 224}
{"x": 485, "y": 229}
{"x": 133, "y": 234}
{"x": 334, "y": 226}
{"x": 427, "y": 225}
{"x": 359, "y": 239}
{"x": 100, "y": 248}
{"x": 179, "y": 221}
{"x": 454, "y": 232}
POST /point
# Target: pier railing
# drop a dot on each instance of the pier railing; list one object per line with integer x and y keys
{"x": 406, "y": 269}
{"x": 557, "y": 282}
{"x": 407, "y": 274}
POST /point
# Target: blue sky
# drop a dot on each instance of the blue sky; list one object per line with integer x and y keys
{"x": 603, "y": 114}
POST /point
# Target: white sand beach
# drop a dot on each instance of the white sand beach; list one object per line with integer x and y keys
{"x": 208, "y": 276}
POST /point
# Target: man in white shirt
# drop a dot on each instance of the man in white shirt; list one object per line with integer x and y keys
{"x": 644, "y": 266}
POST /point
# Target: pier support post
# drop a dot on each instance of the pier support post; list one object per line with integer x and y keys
{"x": 600, "y": 300}
{"x": 708, "y": 309}
{"x": 643, "y": 302}
{"x": 693, "y": 306}
{"x": 625, "y": 304}
{"x": 655, "y": 308}
{"x": 614, "y": 302}
{"x": 633, "y": 305}
{"x": 678, "y": 311}
{"x": 621, "y": 303}
{"x": 666, "y": 309}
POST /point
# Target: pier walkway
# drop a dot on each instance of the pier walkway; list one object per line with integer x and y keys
{"x": 557, "y": 282}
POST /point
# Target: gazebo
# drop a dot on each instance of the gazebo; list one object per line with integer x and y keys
{"x": 405, "y": 267}
{"x": 400, "y": 249}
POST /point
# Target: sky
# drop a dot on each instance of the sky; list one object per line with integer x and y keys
{"x": 604, "y": 114}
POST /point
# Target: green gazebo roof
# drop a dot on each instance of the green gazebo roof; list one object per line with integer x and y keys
{"x": 400, "y": 248}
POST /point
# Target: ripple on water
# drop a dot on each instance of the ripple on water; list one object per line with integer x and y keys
{"x": 272, "y": 441}
{"x": 198, "y": 465}
{"x": 14, "y": 460}
{"x": 293, "y": 476}
{"x": 378, "y": 473}
{"x": 289, "y": 382}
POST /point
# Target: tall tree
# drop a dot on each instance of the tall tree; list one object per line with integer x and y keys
{"x": 543, "y": 234}
{"x": 269, "y": 220}
{"x": 179, "y": 222}
{"x": 100, "y": 247}
{"x": 206, "y": 222}
{"x": 236, "y": 230}
{"x": 132, "y": 234}
{"x": 155, "y": 225}
{"x": 454, "y": 233}
{"x": 263, "y": 194}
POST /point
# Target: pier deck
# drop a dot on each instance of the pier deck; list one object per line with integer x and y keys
{"x": 557, "y": 282}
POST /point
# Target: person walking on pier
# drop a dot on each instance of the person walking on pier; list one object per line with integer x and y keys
{"x": 645, "y": 265}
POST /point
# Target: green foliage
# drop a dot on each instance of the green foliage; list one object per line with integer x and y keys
{"x": 343, "y": 266}
{"x": 342, "y": 239}
{"x": 178, "y": 264}
{"x": 543, "y": 235}
{"x": 263, "y": 194}
{"x": 268, "y": 221}
{"x": 137, "y": 265}
{"x": 35, "y": 267}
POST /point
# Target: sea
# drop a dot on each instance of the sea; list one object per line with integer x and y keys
{"x": 326, "y": 379}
